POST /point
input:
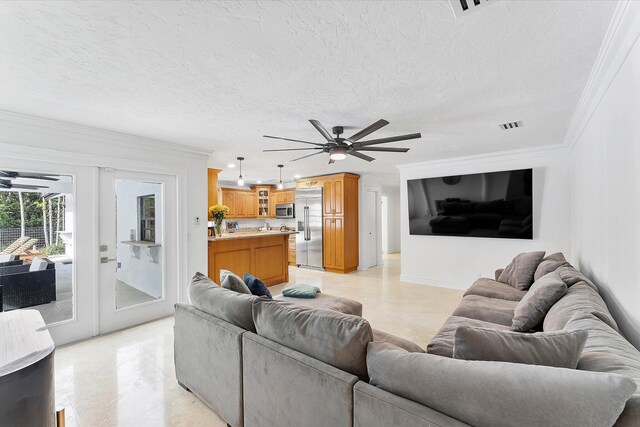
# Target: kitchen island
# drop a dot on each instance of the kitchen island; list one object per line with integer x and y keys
{"x": 264, "y": 254}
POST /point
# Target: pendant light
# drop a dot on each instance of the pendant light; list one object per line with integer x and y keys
{"x": 240, "y": 180}
{"x": 280, "y": 184}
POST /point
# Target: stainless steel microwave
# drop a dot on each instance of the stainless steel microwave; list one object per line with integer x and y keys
{"x": 285, "y": 210}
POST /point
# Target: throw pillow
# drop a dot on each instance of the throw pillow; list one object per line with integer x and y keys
{"x": 561, "y": 349}
{"x": 519, "y": 273}
{"x": 256, "y": 286}
{"x": 548, "y": 264}
{"x": 301, "y": 291}
{"x": 534, "y": 306}
{"x": 39, "y": 264}
{"x": 498, "y": 394}
{"x": 230, "y": 281}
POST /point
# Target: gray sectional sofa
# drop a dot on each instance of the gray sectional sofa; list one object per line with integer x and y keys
{"x": 258, "y": 362}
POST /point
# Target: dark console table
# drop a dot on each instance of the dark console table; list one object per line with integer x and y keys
{"x": 27, "y": 386}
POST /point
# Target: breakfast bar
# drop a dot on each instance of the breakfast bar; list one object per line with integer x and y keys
{"x": 263, "y": 254}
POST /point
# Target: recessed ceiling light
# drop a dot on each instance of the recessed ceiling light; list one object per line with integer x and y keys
{"x": 231, "y": 165}
{"x": 259, "y": 182}
{"x": 296, "y": 176}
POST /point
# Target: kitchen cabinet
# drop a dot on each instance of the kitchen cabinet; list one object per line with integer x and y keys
{"x": 241, "y": 203}
{"x": 340, "y": 220}
{"x": 292, "y": 249}
{"x": 279, "y": 197}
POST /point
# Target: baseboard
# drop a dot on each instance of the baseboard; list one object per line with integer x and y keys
{"x": 434, "y": 282}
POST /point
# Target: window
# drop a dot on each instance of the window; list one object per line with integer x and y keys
{"x": 147, "y": 215}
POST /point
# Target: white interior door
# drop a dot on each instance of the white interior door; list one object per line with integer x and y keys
{"x": 138, "y": 248}
{"x": 371, "y": 231}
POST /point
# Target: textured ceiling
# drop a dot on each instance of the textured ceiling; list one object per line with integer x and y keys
{"x": 220, "y": 75}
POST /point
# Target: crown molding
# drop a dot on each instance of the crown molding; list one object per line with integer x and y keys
{"x": 621, "y": 36}
{"x": 87, "y": 134}
{"x": 529, "y": 153}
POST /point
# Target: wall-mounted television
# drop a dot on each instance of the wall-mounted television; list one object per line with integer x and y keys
{"x": 492, "y": 204}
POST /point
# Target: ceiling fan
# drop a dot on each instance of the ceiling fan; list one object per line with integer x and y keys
{"x": 8, "y": 185}
{"x": 339, "y": 148}
{"x": 13, "y": 175}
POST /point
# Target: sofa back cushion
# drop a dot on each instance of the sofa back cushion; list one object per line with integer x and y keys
{"x": 580, "y": 298}
{"x": 561, "y": 349}
{"x": 535, "y": 304}
{"x": 519, "y": 273}
{"x": 335, "y": 338}
{"x": 227, "y": 305}
{"x": 607, "y": 351}
{"x": 549, "y": 264}
{"x": 518, "y": 393}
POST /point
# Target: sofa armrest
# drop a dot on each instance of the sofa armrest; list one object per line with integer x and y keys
{"x": 498, "y": 273}
{"x": 374, "y": 407}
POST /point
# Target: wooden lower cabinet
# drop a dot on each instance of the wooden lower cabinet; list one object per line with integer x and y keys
{"x": 333, "y": 242}
{"x": 292, "y": 250}
{"x": 266, "y": 257}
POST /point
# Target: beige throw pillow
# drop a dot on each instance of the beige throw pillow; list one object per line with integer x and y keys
{"x": 561, "y": 349}
{"x": 519, "y": 273}
{"x": 549, "y": 264}
{"x": 534, "y": 306}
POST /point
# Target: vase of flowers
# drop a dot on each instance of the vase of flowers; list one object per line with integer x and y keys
{"x": 218, "y": 213}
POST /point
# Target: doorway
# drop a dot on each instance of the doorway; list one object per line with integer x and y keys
{"x": 371, "y": 228}
{"x": 138, "y": 248}
{"x": 384, "y": 200}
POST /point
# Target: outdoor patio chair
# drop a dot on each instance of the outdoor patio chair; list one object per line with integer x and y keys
{"x": 9, "y": 260}
{"x": 28, "y": 285}
{"x": 15, "y": 245}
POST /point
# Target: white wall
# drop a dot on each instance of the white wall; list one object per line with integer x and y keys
{"x": 136, "y": 269}
{"x": 37, "y": 144}
{"x": 457, "y": 261}
{"x": 392, "y": 192}
{"x": 605, "y": 175}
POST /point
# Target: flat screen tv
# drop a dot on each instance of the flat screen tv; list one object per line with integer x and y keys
{"x": 493, "y": 204}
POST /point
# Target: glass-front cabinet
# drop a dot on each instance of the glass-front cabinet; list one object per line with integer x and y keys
{"x": 262, "y": 195}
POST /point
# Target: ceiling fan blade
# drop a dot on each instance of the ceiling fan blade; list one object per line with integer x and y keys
{"x": 294, "y": 140}
{"x": 385, "y": 140}
{"x": 316, "y": 124}
{"x": 360, "y": 156}
{"x": 27, "y": 187}
{"x": 294, "y": 149}
{"x": 331, "y": 161}
{"x": 37, "y": 176}
{"x": 383, "y": 149}
{"x": 309, "y": 155}
{"x": 369, "y": 129}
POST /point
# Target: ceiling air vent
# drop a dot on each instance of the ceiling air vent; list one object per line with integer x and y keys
{"x": 511, "y": 125}
{"x": 464, "y": 7}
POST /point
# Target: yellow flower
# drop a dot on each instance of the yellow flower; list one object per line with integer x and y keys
{"x": 218, "y": 212}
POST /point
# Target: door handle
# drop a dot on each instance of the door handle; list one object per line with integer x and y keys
{"x": 106, "y": 259}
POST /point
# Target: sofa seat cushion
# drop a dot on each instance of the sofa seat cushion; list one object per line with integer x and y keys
{"x": 561, "y": 349}
{"x": 403, "y": 343}
{"x": 335, "y": 338}
{"x": 580, "y": 298}
{"x": 442, "y": 343}
{"x": 493, "y": 289}
{"x": 549, "y": 264}
{"x": 227, "y": 305}
{"x": 542, "y": 295}
{"x": 491, "y": 310}
{"x": 499, "y": 394}
{"x": 332, "y": 302}
{"x": 608, "y": 351}
{"x": 519, "y": 273}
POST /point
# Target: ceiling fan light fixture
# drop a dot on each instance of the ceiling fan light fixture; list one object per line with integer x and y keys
{"x": 338, "y": 153}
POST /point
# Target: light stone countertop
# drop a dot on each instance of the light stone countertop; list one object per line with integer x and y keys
{"x": 251, "y": 235}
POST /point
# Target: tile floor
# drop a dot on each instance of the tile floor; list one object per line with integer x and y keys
{"x": 128, "y": 379}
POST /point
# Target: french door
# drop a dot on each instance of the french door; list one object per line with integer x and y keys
{"x": 138, "y": 255}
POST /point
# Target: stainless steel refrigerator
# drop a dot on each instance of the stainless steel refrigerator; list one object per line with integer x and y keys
{"x": 309, "y": 219}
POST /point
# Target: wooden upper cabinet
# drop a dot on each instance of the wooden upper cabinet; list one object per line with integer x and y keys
{"x": 334, "y": 196}
{"x": 252, "y": 205}
{"x": 327, "y": 195}
{"x": 242, "y": 204}
{"x": 289, "y": 196}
